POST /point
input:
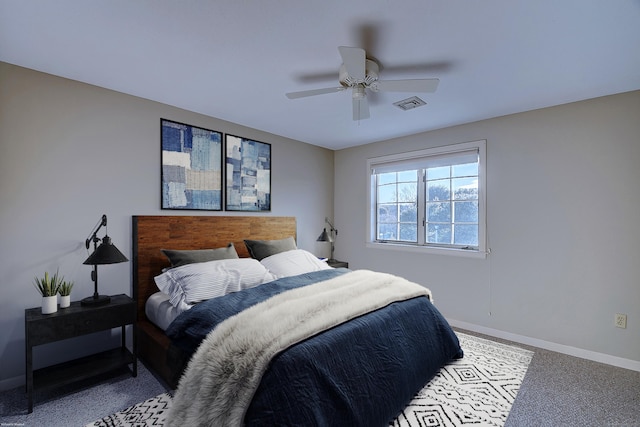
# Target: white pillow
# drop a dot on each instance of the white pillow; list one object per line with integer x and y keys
{"x": 294, "y": 262}
{"x": 192, "y": 283}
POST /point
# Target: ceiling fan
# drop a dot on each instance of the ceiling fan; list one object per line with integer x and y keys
{"x": 359, "y": 73}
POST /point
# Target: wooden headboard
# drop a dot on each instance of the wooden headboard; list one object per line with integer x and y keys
{"x": 152, "y": 233}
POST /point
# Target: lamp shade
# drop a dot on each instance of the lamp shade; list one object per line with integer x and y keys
{"x": 106, "y": 253}
{"x": 324, "y": 236}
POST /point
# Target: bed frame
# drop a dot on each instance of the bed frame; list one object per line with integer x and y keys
{"x": 152, "y": 233}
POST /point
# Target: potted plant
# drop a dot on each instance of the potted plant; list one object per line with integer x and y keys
{"x": 48, "y": 286}
{"x": 65, "y": 293}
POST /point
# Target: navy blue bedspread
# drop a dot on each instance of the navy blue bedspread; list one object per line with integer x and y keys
{"x": 360, "y": 373}
{"x": 192, "y": 326}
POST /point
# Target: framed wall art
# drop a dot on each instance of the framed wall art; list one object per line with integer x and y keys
{"x": 191, "y": 167}
{"x": 248, "y": 174}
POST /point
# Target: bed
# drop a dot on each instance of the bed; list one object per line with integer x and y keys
{"x": 151, "y": 234}
{"x": 272, "y": 354}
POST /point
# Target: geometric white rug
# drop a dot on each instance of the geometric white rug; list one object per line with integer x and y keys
{"x": 151, "y": 412}
{"x": 478, "y": 389}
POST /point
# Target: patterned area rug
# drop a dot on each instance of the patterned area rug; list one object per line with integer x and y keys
{"x": 478, "y": 389}
{"x": 151, "y": 412}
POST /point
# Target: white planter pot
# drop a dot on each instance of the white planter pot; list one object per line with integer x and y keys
{"x": 65, "y": 301}
{"x": 49, "y": 304}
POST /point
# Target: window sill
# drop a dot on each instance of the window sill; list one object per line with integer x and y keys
{"x": 465, "y": 253}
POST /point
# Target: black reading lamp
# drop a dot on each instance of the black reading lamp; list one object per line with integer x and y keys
{"x": 328, "y": 237}
{"x": 106, "y": 253}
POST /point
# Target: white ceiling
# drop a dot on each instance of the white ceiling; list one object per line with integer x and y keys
{"x": 235, "y": 59}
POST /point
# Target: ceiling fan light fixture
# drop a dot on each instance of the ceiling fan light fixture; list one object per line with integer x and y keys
{"x": 409, "y": 103}
{"x": 359, "y": 91}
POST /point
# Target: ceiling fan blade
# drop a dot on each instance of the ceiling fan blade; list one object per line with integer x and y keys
{"x": 353, "y": 59}
{"x": 360, "y": 103}
{"x": 312, "y": 92}
{"x": 410, "y": 85}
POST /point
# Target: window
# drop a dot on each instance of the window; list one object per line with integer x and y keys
{"x": 430, "y": 199}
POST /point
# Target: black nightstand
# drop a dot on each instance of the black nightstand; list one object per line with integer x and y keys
{"x": 338, "y": 264}
{"x": 71, "y": 322}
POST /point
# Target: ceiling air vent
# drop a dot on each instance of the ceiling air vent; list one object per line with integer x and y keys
{"x": 409, "y": 103}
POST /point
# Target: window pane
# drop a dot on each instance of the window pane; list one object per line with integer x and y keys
{"x": 438, "y": 190}
{"x": 439, "y": 212}
{"x": 387, "y": 193}
{"x": 465, "y": 188}
{"x": 396, "y": 202}
{"x": 409, "y": 232}
{"x": 466, "y": 235}
{"x": 388, "y": 213}
{"x": 407, "y": 192}
{"x": 408, "y": 176}
{"x": 469, "y": 169}
{"x": 452, "y": 187}
{"x": 386, "y": 178}
{"x": 437, "y": 173}
{"x": 387, "y": 232}
{"x": 466, "y": 212}
{"x": 439, "y": 233}
{"x": 408, "y": 212}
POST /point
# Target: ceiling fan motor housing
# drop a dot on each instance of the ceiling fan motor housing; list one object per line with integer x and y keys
{"x": 370, "y": 76}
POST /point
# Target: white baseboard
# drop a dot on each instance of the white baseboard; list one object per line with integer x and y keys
{"x": 14, "y": 382}
{"x": 608, "y": 359}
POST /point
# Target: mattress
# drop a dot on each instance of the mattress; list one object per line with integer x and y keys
{"x": 160, "y": 311}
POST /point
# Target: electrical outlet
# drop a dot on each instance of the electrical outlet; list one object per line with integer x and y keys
{"x": 621, "y": 320}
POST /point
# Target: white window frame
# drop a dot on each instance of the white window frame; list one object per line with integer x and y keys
{"x": 409, "y": 157}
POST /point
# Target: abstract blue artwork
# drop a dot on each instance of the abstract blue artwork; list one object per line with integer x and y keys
{"x": 248, "y": 175}
{"x": 191, "y": 167}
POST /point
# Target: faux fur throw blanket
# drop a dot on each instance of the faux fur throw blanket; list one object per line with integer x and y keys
{"x": 218, "y": 385}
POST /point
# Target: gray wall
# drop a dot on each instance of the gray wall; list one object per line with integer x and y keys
{"x": 71, "y": 152}
{"x": 563, "y": 210}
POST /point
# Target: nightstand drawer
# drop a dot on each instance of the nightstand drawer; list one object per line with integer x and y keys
{"x": 77, "y": 320}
